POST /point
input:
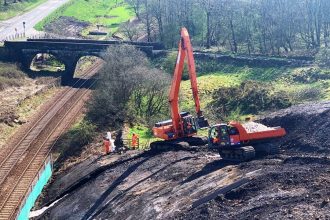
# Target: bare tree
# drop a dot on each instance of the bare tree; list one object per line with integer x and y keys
{"x": 128, "y": 88}
{"x": 131, "y": 30}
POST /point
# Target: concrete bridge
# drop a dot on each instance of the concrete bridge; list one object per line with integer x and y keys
{"x": 67, "y": 51}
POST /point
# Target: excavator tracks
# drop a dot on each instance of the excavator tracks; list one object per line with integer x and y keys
{"x": 21, "y": 161}
{"x": 187, "y": 143}
{"x": 245, "y": 153}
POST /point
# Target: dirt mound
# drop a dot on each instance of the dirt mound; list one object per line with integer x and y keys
{"x": 307, "y": 125}
{"x": 291, "y": 188}
{"x": 67, "y": 27}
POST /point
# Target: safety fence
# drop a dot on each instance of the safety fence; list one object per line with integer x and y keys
{"x": 35, "y": 188}
{"x": 142, "y": 145}
{"x": 128, "y": 144}
{"x": 13, "y": 37}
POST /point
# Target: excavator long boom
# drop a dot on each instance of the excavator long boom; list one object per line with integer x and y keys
{"x": 185, "y": 50}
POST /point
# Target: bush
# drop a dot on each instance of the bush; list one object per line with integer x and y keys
{"x": 309, "y": 75}
{"x": 322, "y": 58}
{"x": 82, "y": 134}
{"x": 250, "y": 97}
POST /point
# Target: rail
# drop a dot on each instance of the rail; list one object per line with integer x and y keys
{"x": 17, "y": 192}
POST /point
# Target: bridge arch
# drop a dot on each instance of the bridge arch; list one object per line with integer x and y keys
{"x": 48, "y": 61}
{"x": 85, "y": 62}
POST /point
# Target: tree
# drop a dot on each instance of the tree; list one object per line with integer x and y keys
{"x": 136, "y": 5}
{"x": 130, "y": 30}
{"x": 127, "y": 89}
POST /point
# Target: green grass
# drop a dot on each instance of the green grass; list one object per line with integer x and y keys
{"x": 97, "y": 12}
{"x": 14, "y": 9}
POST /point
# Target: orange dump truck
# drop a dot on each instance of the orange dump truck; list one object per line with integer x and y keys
{"x": 236, "y": 141}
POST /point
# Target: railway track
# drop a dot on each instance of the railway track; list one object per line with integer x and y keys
{"x": 20, "y": 165}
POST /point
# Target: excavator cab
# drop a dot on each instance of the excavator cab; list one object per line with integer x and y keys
{"x": 189, "y": 125}
{"x": 219, "y": 136}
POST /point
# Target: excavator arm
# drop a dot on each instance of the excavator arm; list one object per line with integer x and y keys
{"x": 185, "y": 50}
{"x": 182, "y": 124}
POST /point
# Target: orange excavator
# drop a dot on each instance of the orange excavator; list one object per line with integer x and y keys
{"x": 182, "y": 124}
{"x": 232, "y": 140}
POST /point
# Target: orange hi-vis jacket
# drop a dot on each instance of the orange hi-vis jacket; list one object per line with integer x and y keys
{"x": 106, "y": 144}
{"x": 135, "y": 138}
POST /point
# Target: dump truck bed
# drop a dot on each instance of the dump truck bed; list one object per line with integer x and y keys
{"x": 255, "y": 131}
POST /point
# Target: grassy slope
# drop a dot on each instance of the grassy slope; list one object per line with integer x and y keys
{"x": 26, "y": 109}
{"x": 101, "y": 12}
{"x": 279, "y": 78}
{"x": 10, "y": 75}
{"x": 13, "y": 10}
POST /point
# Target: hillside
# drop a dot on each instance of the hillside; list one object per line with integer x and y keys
{"x": 296, "y": 82}
{"x": 291, "y": 184}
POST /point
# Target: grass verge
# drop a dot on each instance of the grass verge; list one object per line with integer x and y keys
{"x": 14, "y": 9}
{"x": 10, "y": 76}
{"x": 26, "y": 109}
{"x": 107, "y": 13}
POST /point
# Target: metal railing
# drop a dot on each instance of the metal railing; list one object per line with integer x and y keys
{"x": 23, "y": 36}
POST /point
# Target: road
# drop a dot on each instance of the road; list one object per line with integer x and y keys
{"x": 31, "y": 18}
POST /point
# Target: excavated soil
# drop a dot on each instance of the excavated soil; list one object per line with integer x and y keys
{"x": 197, "y": 184}
{"x": 66, "y": 27}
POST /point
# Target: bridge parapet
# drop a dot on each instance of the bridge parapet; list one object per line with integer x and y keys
{"x": 155, "y": 45}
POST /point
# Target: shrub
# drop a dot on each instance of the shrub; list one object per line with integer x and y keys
{"x": 322, "y": 58}
{"x": 72, "y": 142}
{"x": 82, "y": 134}
{"x": 309, "y": 75}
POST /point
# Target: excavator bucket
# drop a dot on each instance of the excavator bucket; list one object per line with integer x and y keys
{"x": 202, "y": 122}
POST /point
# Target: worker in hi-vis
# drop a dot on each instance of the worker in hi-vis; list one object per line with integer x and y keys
{"x": 135, "y": 139}
{"x": 112, "y": 142}
{"x": 106, "y": 144}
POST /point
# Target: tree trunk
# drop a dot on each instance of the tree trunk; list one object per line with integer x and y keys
{"x": 208, "y": 33}
{"x": 233, "y": 35}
